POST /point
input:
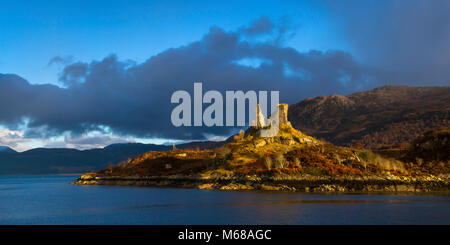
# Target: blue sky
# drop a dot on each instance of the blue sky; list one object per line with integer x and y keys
{"x": 119, "y": 61}
{"x": 33, "y": 32}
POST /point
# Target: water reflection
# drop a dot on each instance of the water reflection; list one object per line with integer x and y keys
{"x": 51, "y": 200}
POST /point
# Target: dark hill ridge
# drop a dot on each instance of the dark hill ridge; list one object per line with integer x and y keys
{"x": 6, "y": 149}
{"x": 382, "y": 117}
{"x": 59, "y": 161}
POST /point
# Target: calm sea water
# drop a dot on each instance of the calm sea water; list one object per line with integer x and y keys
{"x": 52, "y": 200}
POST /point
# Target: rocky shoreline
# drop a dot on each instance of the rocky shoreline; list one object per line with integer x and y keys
{"x": 280, "y": 183}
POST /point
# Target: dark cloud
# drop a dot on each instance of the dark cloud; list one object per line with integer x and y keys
{"x": 73, "y": 74}
{"x": 277, "y": 32}
{"x": 64, "y": 60}
{"x": 261, "y": 26}
{"x": 406, "y": 41}
{"x": 134, "y": 99}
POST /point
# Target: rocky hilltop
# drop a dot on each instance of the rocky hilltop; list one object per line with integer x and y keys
{"x": 289, "y": 160}
{"x": 380, "y": 118}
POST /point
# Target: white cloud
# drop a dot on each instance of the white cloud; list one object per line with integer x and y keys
{"x": 17, "y": 140}
{"x": 88, "y": 141}
{"x": 12, "y": 138}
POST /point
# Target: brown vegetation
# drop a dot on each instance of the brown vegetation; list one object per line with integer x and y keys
{"x": 429, "y": 153}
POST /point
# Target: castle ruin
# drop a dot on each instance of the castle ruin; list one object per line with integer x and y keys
{"x": 282, "y": 113}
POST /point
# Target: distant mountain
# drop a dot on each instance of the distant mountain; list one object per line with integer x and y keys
{"x": 205, "y": 144}
{"x": 54, "y": 161}
{"x": 383, "y": 117}
{"x": 6, "y": 149}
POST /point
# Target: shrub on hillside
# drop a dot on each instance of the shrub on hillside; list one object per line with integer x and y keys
{"x": 239, "y": 136}
{"x": 296, "y": 162}
{"x": 384, "y": 163}
{"x": 268, "y": 162}
{"x": 223, "y": 153}
{"x": 279, "y": 161}
{"x": 367, "y": 156}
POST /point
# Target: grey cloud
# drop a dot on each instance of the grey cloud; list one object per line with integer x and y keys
{"x": 64, "y": 60}
{"x": 277, "y": 32}
{"x": 88, "y": 141}
{"x": 260, "y": 26}
{"x": 95, "y": 140}
{"x": 73, "y": 74}
{"x": 407, "y": 41}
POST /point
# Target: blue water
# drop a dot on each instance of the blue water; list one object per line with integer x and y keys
{"x": 52, "y": 200}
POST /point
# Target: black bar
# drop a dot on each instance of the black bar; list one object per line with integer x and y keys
{"x": 239, "y": 233}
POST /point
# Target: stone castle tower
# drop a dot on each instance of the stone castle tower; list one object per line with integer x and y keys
{"x": 282, "y": 114}
{"x": 260, "y": 121}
